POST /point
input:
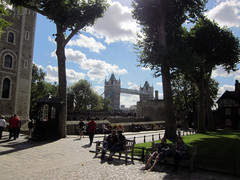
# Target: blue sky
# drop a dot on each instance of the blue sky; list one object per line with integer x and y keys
{"x": 107, "y": 47}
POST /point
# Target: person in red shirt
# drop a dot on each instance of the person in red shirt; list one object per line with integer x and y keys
{"x": 91, "y": 130}
{"x": 14, "y": 124}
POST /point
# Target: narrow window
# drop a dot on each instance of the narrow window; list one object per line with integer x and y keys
{"x": 8, "y": 61}
{"x": 27, "y": 35}
{"x": 228, "y": 122}
{"x": 227, "y": 111}
{"x": 6, "y": 88}
{"x": 10, "y": 37}
{"x": 25, "y": 64}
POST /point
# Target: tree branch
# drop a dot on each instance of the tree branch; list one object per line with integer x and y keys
{"x": 78, "y": 27}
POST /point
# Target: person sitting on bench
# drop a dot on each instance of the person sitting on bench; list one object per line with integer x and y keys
{"x": 163, "y": 151}
{"x": 180, "y": 152}
{"x": 119, "y": 145}
{"x": 110, "y": 141}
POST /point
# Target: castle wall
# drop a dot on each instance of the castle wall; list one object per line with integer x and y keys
{"x": 21, "y": 51}
{"x": 152, "y": 109}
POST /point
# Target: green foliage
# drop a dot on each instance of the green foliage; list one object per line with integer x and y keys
{"x": 215, "y": 150}
{"x": 70, "y": 14}
{"x": 39, "y": 87}
{"x": 3, "y": 23}
{"x": 185, "y": 93}
{"x": 106, "y": 105}
{"x": 83, "y": 95}
{"x": 172, "y": 14}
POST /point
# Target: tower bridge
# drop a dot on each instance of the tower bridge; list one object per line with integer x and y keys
{"x": 112, "y": 90}
{"x": 132, "y": 91}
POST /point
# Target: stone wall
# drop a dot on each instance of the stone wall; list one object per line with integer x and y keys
{"x": 151, "y": 109}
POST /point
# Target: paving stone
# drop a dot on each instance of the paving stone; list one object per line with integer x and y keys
{"x": 71, "y": 159}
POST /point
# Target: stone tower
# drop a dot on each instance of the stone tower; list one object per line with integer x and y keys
{"x": 16, "y": 54}
{"x": 146, "y": 88}
{"x": 112, "y": 89}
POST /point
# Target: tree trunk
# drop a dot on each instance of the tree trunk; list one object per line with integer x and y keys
{"x": 60, "y": 52}
{"x": 209, "y": 116}
{"x": 201, "y": 107}
{"x": 170, "y": 129}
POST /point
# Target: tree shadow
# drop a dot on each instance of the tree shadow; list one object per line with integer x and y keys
{"x": 21, "y": 144}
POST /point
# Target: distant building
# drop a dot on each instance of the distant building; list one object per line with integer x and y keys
{"x": 228, "y": 113}
{"x": 112, "y": 91}
{"x": 149, "y": 90}
{"x": 16, "y": 54}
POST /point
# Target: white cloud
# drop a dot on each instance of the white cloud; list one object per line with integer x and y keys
{"x": 98, "y": 89}
{"x": 220, "y": 72}
{"x": 222, "y": 89}
{"x": 159, "y": 83}
{"x": 226, "y": 13}
{"x": 97, "y": 69}
{"x": 128, "y": 100}
{"x": 116, "y": 25}
{"x": 160, "y": 95}
{"x": 72, "y": 76}
{"x": 87, "y": 42}
{"x": 39, "y": 66}
{"x": 133, "y": 86}
{"x": 51, "y": 39}
{"x": 75, "y": 56}
{"x": 145, "y": 68}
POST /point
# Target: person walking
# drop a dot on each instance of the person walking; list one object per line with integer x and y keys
{"x": 91, "y": 130}
{"x": 14, "y": 124}
{"x": 2, "y": 125}
{"x": 81, "y": 128}
{"x": 30, "y": 127}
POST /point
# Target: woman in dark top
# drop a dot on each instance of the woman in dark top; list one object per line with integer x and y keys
{"x": 81, "y": 126}
{"x": 180, "y": 152}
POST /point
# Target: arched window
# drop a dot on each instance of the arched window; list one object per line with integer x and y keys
{"x": 10, "y": 37}
{"x": 8, "y": 61}
{"x": 6, "y": 88}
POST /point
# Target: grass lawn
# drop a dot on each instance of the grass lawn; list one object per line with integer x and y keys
{"x": 215, "y": 150}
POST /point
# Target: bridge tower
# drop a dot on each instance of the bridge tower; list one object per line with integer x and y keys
{"x": 112, "y": 89}
{"x": 146, "y": 88}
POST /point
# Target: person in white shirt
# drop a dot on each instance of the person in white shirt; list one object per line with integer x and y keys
{"x": 2, "y": 125}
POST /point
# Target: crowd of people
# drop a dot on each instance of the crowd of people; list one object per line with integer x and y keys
{"x": 114, "y": 142}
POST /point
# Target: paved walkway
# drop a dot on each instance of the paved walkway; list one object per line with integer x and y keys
{"x": 71, "y": 159}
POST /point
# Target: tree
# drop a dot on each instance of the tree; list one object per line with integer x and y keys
{"x": 186, "y": 95}
{"x": 3, "y": 23}
{"x": 206, "y": 46}
{"x": 84, "y": 95}
{"x": 39, "y": 87}
{"x": 70, "y": 16}
{"x": 106, "y": 105}
{"x": 163, "y": 18}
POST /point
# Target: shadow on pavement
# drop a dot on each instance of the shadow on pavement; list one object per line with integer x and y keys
{"x": 22, "y": 143}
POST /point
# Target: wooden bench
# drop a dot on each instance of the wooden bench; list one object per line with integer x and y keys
{"x": 129, "y": 150}
{"x": 189, "y": 162}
